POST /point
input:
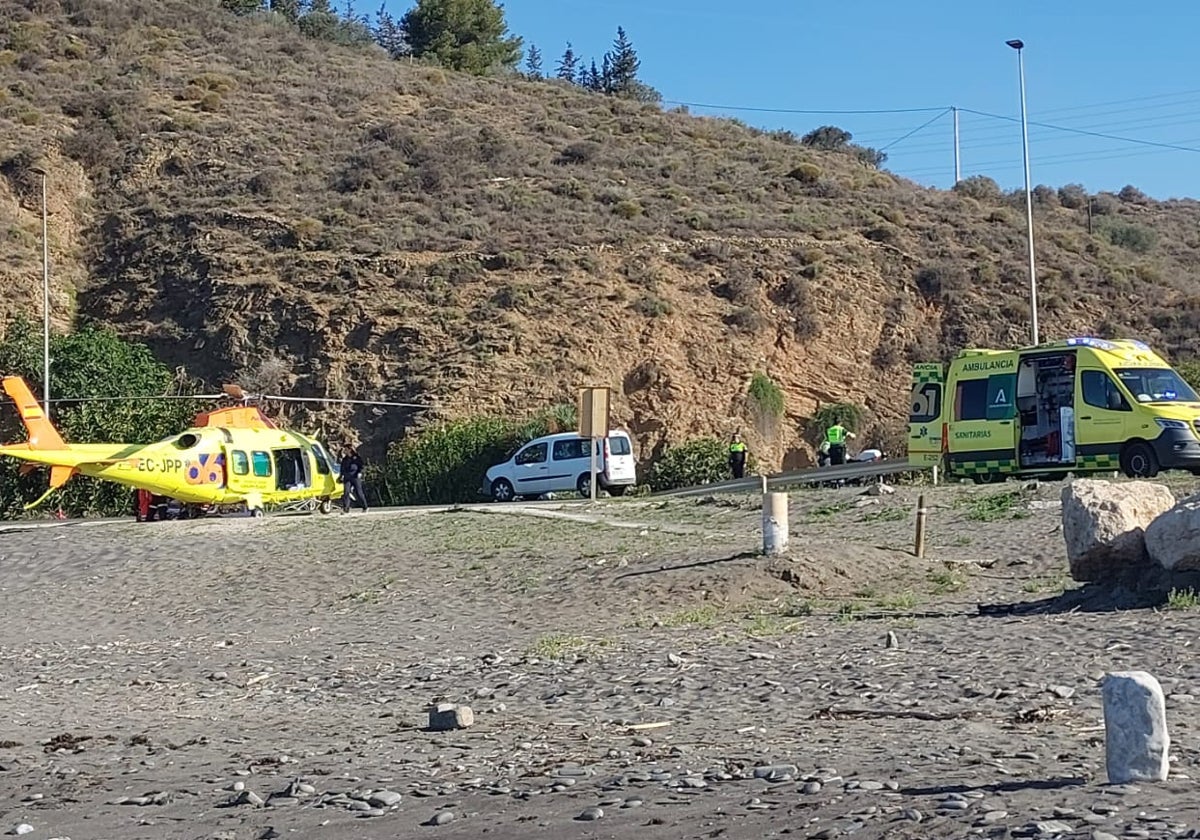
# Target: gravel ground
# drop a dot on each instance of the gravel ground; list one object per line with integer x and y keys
{"x": 635, "y": 670}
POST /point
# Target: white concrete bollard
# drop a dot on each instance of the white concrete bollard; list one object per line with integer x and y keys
{"x": 775, "y": 523}
{"x": 1135, "y": 728}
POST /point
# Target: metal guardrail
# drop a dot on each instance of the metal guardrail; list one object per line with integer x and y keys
{"x": 815, "y": 475}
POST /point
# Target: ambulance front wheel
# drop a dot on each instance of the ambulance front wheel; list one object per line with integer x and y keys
{"x": 257, "y": 512}
{"x": 1138, "y": 461}
{"x": 326, "y": 506}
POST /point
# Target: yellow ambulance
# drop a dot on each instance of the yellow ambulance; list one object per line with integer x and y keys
{"x": 1079, "y": 405}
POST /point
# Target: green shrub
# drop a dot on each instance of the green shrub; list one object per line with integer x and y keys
{"x": 848, "y": 414}
{"x": 699, "y": 461}
{"x": 1105, "y": 204}
{"x": 747, "y": 319}
{"x": 1046, "y": 196}
{"x": 806, "y": 173}
{"x": 445, "y": 464}
{"x": 1190, "y": 371}
{"x": 1073, "y": 196}
{"x": 1132, "y": 195}
{"x": 307, "y": 229}
{"x": 652, "y": 307}
{"x": 1140, "y": 240}
{"x": 89, "y": 363}
{"x": 979, "y": 187}
{"x": 882, "y": 233}
{"x": 766, "y": 405}
{"x": 766, "y": 395}
{"x": 627, "y": 209}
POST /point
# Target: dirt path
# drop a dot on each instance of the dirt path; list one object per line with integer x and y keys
{"x": 247, "y": 679}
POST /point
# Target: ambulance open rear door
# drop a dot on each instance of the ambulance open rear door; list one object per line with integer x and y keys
{"x": 926, "y": 425}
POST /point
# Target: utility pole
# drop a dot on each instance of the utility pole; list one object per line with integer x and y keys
{"x": 45, "y": 302}
{"x": 957, "y": 168}
{"x": 1019, "y": 45}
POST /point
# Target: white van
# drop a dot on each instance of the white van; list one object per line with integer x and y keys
{"x": 561, "y": 463}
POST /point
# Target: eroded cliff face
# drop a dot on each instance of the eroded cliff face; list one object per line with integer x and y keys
{"x": 68, "y": 222}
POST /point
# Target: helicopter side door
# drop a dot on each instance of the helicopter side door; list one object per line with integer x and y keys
{"x": 237, "y": 469}
{"x": 249, "y": 469}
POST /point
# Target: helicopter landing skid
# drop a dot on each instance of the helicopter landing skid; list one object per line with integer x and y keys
{"x": 307, "y": 506}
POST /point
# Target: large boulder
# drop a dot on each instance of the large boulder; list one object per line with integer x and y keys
{"x": 1104, "y": 525}
{"x": 1173, "y": 539}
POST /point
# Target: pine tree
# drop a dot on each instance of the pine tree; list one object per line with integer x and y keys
{"x": 242, "y": 7}
{"x": 389, "y": 35}
{"x": 289, "y": 9}
{"x": 604, "y": 82}
{"x": 591, "y": 79}
{"x": 567, "y": 65}
{"x": 533, "y": 62}
{"x": 623, "y": 66}
{"x": 468, "y": 35}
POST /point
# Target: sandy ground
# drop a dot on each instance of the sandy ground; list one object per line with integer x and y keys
{"x": 635, "y": 670}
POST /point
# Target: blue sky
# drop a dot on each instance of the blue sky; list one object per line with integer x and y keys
{"x": 1101, "y": 66}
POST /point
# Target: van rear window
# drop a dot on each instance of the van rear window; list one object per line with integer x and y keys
{"x": 618, "y": 445}
{"x": 570, "y": 449}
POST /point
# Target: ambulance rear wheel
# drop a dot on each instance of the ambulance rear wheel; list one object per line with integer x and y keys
{"x": 257, "y": 512}
{"x": 989, "y": 478}
{"x": 326, "y": 506}
{"x": 1138, "y": 461}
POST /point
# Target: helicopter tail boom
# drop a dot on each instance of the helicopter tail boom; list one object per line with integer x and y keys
{"x": 42, "y": 434}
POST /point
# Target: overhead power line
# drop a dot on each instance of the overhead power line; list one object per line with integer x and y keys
{"x": 802, "y": 111}
{"x": 1043, "y": 137}
{"x": 987, "y": 129}
{"x": 925, "y": 124}
{"x": 1055, "y": 161}
{"x": 1085, "y": 132}
{"x": 1091, "y": 121}
{"x": 929, "y": 110}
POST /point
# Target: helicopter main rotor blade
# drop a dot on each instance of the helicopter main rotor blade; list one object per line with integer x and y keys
{"x": 339, "y": 400}
{"x": 241, "y": 396}
{"x": 127, "y": 399}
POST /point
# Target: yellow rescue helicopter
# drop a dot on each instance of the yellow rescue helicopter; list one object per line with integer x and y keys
{"x": 229, "y": 456}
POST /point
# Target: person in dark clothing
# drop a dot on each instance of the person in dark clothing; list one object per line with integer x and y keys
{"x": 737, "y": 456}
{"x": 351, "y": 474}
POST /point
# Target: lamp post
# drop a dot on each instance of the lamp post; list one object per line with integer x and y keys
{"x": 40, "y": 170}
{"x": 1019, "y": 45}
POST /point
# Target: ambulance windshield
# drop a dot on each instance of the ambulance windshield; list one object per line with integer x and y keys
{"x": 1156, "y": 385}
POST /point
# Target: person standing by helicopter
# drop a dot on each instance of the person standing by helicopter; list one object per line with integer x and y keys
{"x": 351, "y": 474}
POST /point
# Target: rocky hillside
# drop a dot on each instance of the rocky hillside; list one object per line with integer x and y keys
{"x": 259, "y": 205}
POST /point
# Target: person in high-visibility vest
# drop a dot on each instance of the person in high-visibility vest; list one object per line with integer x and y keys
{"x": 836, "y": 436}
{"x": 737, "y": 456}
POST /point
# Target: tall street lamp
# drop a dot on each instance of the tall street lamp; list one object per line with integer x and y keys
{"x": 40, "y": 170}
{"x": 1019, "y": 45}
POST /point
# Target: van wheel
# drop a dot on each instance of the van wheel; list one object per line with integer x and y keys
{"x": 618, "y": 490}
{"x": 584, "y": 486}
{"x": 1138, "y": 461}
{"x": 502, "y": 490}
